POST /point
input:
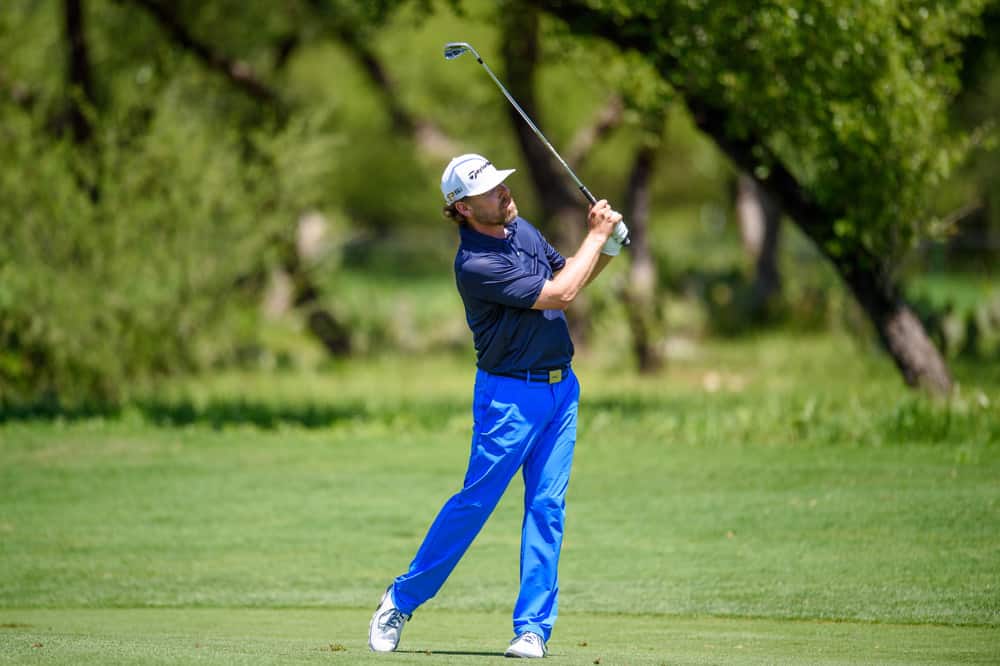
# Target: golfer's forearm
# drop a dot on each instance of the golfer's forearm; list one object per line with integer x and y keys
{"x": 602, "y": 261}
{"x": 560, "y": 291}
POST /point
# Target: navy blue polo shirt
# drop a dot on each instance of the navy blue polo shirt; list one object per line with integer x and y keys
{"x": 499, "y": 280}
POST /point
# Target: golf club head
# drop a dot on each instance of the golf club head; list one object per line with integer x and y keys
{"x": 453, "y": 50}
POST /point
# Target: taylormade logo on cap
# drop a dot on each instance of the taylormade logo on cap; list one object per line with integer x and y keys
{"x": 469, "y": 175}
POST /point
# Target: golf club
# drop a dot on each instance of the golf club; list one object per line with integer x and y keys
{"x": 453, "y": 50}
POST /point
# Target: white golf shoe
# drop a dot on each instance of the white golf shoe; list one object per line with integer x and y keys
{"x": 528, "y": 645}
{"x": 387, "y": 625}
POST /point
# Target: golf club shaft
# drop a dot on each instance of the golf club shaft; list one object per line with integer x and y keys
{"x": 583, "y": 188}
{"x": 453, "y": 50}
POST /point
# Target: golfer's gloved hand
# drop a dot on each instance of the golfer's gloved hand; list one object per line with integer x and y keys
{"x": 615, "y": 242}
{"x": 620, "y": 233}
{"x": 612, "y": 247}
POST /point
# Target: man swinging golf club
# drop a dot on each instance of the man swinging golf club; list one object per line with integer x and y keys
{"x": 514, "y": 286}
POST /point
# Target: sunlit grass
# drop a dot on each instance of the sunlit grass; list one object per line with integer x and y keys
{"x": 778, "y": 478}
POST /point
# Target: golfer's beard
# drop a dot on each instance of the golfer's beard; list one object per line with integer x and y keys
{"x": 501, "y": 216}
{"x": 509, "y": 212}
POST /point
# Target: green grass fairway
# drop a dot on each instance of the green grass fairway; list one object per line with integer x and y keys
{"x": 776, "y": 500}
{"x": 223, "y": 636}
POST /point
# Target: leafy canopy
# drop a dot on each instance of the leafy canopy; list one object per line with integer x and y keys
{"x": 851, "y": 96}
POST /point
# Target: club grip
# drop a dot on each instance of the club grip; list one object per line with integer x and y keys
{"x": 592, "y": 199}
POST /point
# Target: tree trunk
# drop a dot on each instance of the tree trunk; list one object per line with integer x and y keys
{"x": 899, "y": 329}
{"x": 760, "y": 226}
{"x": 238, "y": 72}
{"x": 81, "y": 100}
{"x": 425, "y": 133}
{"x": 301, "y": 257}
{"x": 641, "y": 293}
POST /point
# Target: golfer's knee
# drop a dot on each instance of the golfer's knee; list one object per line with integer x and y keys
{"x": 548, "y": 504}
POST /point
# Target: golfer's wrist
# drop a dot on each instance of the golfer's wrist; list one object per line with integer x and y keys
{"x": 597, "y": 237}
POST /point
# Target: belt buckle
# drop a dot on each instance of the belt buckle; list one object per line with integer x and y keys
{"x": 555, "y": 376}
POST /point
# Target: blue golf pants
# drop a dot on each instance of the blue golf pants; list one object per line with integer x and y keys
{"x": 517, "y": 425}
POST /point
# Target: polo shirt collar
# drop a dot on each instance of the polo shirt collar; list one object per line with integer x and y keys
{"x": 472, "y": 238}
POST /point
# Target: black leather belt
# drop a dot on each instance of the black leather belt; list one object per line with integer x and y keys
{"x": 550, "y": 376}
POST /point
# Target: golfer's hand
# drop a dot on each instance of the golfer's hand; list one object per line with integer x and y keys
{"x": 620, "y": 233}
{"x": 602, "y": 219}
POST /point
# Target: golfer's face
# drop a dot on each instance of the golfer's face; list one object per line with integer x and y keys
{"x": 494, "y": 207}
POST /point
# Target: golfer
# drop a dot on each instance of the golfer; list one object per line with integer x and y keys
{"x": 515, "y": 287}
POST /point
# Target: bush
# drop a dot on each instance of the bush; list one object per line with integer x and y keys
{"x": 122, "y": 258}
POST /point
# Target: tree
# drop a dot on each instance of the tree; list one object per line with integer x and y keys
{"x": 760, "y": 228}
{"x": 130, "y": 214}
{"x": 837, "y": 110}
{"x": 641, "y": 290}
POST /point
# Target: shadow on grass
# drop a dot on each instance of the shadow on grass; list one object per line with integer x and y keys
{"x": 457, "y": 653}
{"x": 240, "y": 412}
{"x": 261, "y": 414}
{"x": 225, "y": 413}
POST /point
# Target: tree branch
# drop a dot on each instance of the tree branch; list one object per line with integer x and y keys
{"x": 607, "y": 119}
{"x": 424, "y": 132}
{"x": 953, "y": 219}
{"x": 238, "y": 72}
{"x": 353, "y": 35}
{"x": 79, "y": 79}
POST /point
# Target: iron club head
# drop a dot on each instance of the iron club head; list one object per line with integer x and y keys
{"x": 453, "y": 50}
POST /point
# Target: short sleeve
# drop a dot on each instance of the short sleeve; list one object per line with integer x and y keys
{"x": 556, "y": 260}
{"x": 497, "y": 279}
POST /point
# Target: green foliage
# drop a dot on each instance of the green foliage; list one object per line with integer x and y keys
{"x": 851, "y": 96}
{"x": 144, "y": 252}
{"x": 99, "y": 291}
{"x": 141, "y": 253}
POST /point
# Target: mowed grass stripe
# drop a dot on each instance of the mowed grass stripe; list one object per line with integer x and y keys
{"x": 242, "y": 636}
{"x": 125, "y": 516}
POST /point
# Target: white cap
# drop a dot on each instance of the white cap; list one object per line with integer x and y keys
{"x": 469, "y": 175}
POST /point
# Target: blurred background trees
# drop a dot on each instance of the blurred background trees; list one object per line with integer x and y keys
{"x": 188, "y": 185}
